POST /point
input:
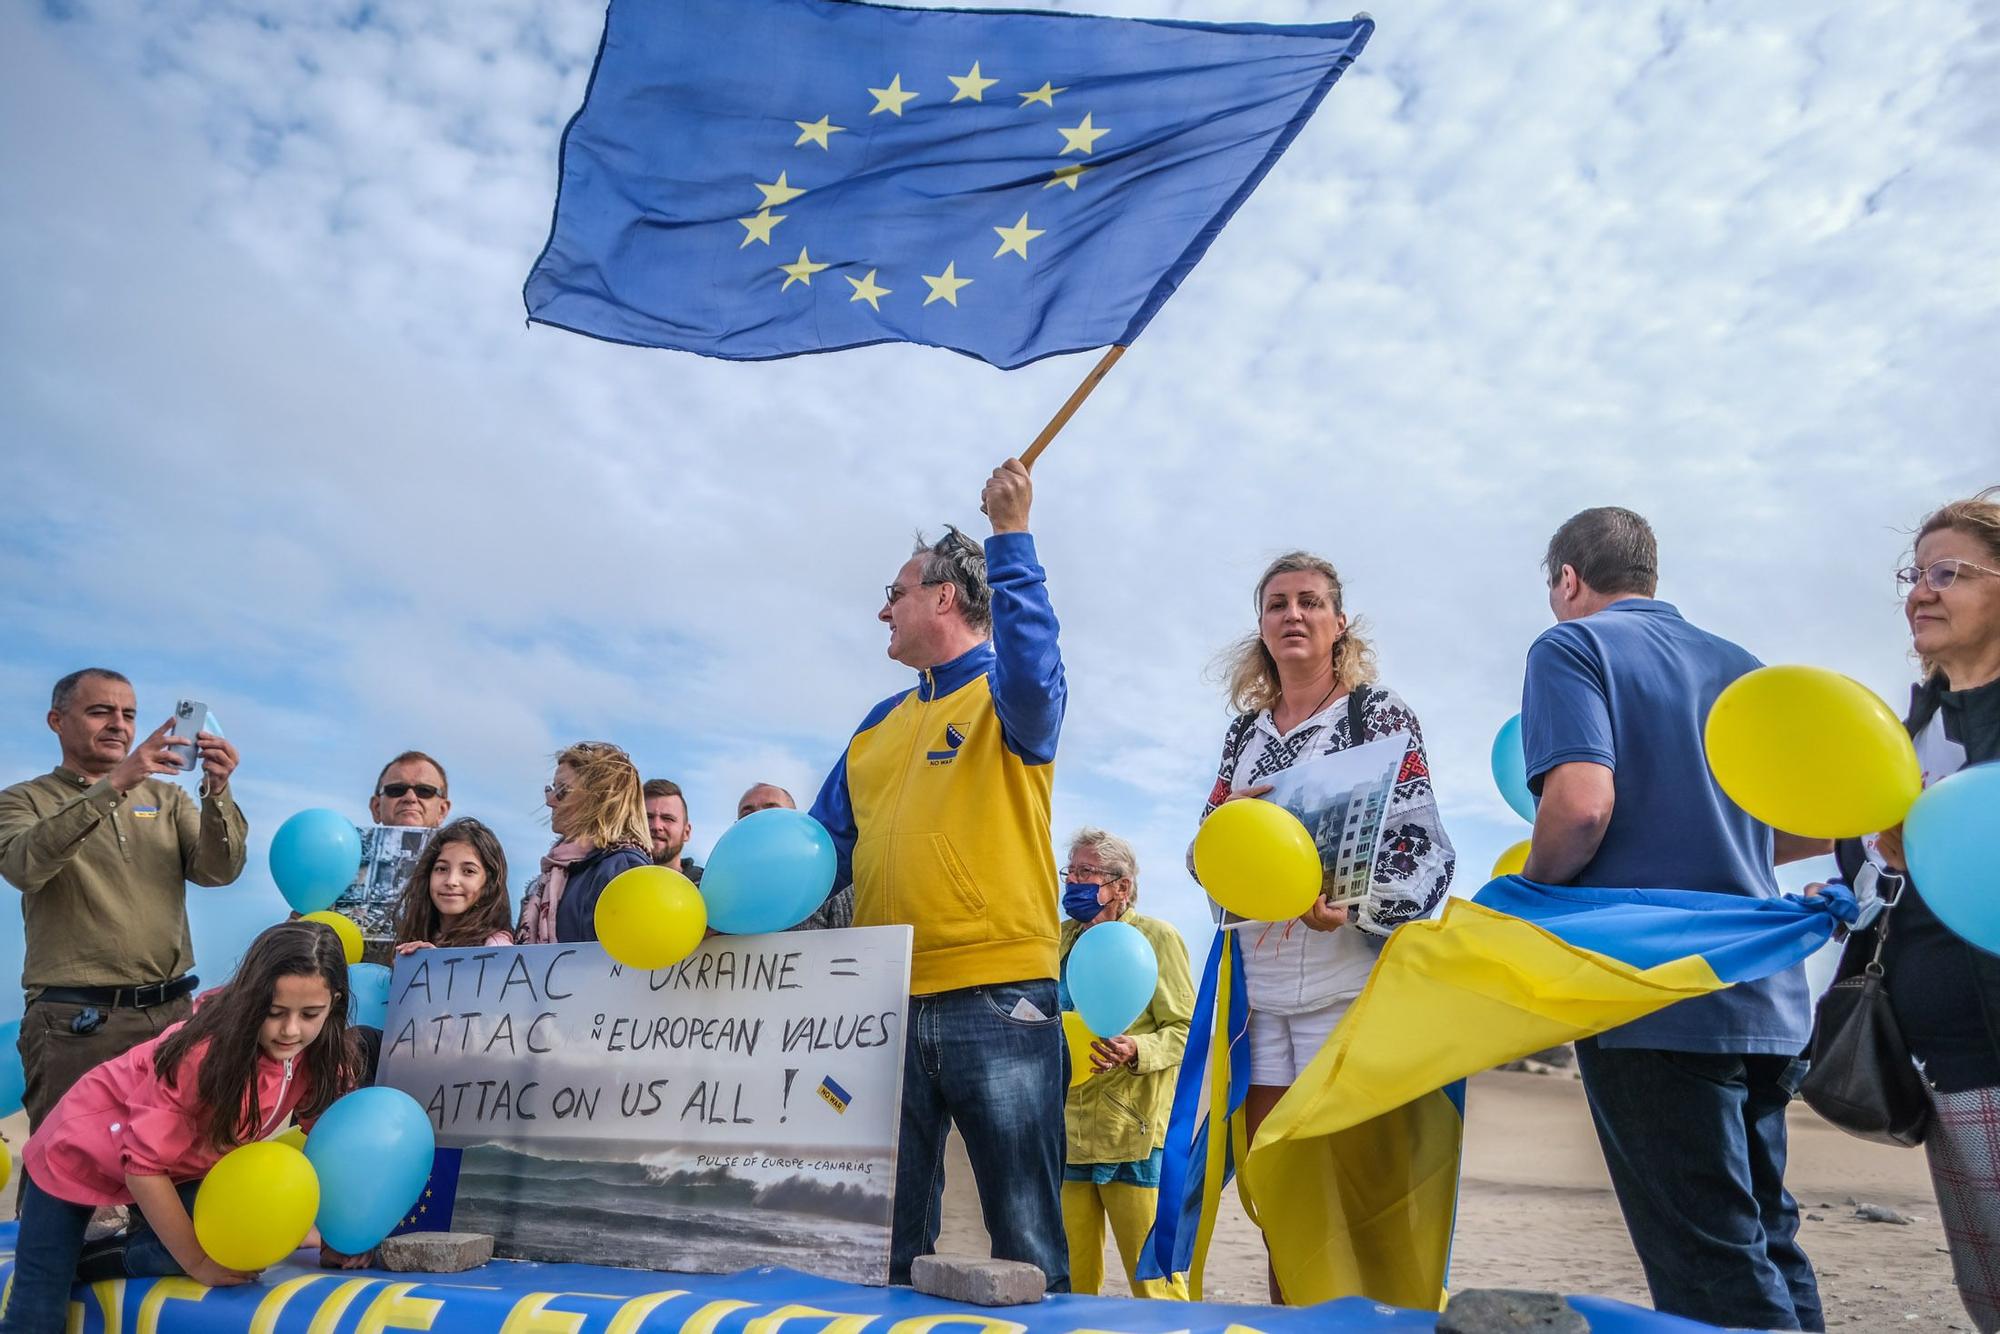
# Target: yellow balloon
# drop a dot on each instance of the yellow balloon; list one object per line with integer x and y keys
{"x": 256, "y": 1205}
{"x": 6, "y": 1166}
{"x": 1513, "y": 861}
{"x": 294, "y": 1136}
{"x": 1256, "y": 859}
{"x": 1812, "y": 752}
{"x": 349, "y": 933}
{"x": 650, "y": 917}
{"x": 1078, "y": 1037}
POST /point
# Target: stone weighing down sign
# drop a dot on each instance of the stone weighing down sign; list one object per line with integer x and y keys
{"x": 739, "y": 1108}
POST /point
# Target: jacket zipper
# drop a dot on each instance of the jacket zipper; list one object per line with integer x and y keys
{"x": 926, "y": 683}
{"x": 277, "y": 1108}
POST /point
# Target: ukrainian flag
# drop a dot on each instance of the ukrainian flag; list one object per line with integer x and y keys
{"x": 1354, "y": 1176}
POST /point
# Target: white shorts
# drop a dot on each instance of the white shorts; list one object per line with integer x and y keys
{"x": 1282, "y": 1045}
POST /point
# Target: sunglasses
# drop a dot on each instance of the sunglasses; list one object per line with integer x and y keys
{"x": 423, "y": 790}
{"x": 1938, "y": 575}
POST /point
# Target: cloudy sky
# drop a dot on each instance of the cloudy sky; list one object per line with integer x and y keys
{"x": 273, "y": 432}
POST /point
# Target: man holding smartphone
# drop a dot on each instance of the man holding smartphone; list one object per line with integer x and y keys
{"x": 102, "y": 851}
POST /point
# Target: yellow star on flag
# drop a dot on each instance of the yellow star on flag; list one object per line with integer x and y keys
{"x": 970, "y": 85}
{"x": 759, "y": 227}
{"x": 866, "y": 290}
{"x": 1045, "y": 94}
{"x": 800, "y": 272}
{"x": 1016, "y": 238}
{"x": 891, "y": 99}
{"x": 783, "y": 192}
{"x": 1066, "y": 176}
{"x": 817, "y": 132}
{"x": 945, "y": 286}
{"x": 1079, "y": 138}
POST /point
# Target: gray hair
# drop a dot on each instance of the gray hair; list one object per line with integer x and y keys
{"x": 1611, "y": 549}
{"x": 957, "y": 560}
{"x": 65, "y": 690}
{"x": 1112, "y": 851}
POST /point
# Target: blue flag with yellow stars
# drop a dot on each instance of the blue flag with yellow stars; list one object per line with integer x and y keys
{"x": 762, "y": 178}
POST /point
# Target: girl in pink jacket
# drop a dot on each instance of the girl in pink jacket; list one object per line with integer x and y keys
{"x": 145, "y": 1127}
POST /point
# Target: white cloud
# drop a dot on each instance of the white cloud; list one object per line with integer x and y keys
{"x": 275, "y": 432}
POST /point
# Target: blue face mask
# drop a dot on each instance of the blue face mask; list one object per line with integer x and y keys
{"x": 1080, "y": 900}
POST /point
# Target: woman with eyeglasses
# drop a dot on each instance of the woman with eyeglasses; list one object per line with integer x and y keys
{"x": 1303, "y": 687}
{"x": 598, "y": 811}
{"x": 1115, "y": 1116}
{"x": 1944, "y": 990}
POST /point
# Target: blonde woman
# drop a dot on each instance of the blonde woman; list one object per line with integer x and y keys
{"x": 1303, "y": 687}
{"x": 598, "y": 813}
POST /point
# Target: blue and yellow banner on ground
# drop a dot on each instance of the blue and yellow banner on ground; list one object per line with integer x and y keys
{"x": 762, "y": 178}
{"x": 589, "y": 1299}
{"x": 1354, "y": 1176}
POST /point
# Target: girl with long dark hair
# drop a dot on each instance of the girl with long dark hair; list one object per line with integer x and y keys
{"x": 144, "y": 1128}
{"x": 457, "y": 892}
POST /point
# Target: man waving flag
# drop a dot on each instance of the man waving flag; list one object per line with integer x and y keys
{"x": 762, "y": 178}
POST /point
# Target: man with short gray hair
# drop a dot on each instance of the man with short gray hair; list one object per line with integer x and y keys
{"x": 102, "y": 851}
{"x": 939, "y": 809}
{"x": 1689, "y": 1103}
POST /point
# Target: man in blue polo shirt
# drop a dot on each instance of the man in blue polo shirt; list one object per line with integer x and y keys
{"x": 1690, "y": 1102}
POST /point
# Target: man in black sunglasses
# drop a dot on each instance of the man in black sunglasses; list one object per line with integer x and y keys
{"x": 411, "y": 793}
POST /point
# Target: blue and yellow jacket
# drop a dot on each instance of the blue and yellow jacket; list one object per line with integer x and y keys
{"x": 940, "y": 805}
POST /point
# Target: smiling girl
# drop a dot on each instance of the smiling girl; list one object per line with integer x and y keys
{"x": 457, "y": 893}
{"x": 145, "y": 1128}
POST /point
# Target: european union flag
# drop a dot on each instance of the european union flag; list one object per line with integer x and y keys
{"x": 762, "y": 178}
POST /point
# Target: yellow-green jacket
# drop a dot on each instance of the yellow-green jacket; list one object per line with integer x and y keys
{"x": 1121, "y": 1116}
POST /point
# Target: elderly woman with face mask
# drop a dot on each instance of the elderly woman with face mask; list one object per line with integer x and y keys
{"x": 1944, "y": 990}
{"x": 1116, "y": 1116}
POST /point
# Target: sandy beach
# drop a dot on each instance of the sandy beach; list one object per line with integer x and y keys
{"x": 1536, "y": 1211}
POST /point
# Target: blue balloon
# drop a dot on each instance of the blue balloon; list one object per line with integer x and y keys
{"x": 368, "y": 995}
{"x": 1952, "y": 840}
{"x": 770, "y": 871}
{"x": 314, "y": 856}
{"x": 372, "y": 1151}
{"x": 13, "y": 1079}
{"x": 1510, "y": 769}
{"x": 1112, "y": 974}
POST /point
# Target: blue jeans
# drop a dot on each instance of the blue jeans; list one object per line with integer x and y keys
{"x": 967, "y": 1059}
{"x": 1695, "y": 1142}
{"x": 48, "y": 1248}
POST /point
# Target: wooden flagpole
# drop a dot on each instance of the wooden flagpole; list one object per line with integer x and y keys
{"x": 1068, "y": 410}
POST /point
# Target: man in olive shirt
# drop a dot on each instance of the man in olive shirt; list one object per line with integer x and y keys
{"x": 101, "y": 851}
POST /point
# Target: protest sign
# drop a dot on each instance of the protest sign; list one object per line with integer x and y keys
{"x": 739, "y": 1108}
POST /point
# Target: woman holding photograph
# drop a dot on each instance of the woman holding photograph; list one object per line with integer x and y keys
{"x": 1303, "y": 687}
{"x": 598, "y": 813}
{"x": 456, "y": 895}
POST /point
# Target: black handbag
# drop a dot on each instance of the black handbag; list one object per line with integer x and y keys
{"x": 1862, "y": 1079}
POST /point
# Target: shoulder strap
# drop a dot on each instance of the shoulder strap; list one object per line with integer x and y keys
{"x": 1357, "y": 705}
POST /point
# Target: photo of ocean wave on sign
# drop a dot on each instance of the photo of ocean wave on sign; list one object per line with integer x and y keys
{"x": 827, "y": 1216}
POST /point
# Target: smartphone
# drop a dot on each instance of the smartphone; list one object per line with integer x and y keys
{"x": 190, "y": 717}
